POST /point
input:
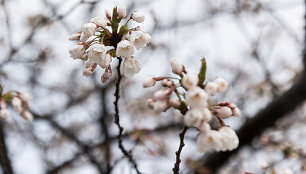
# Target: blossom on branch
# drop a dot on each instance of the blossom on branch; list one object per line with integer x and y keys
{"x": 104, "y": 39}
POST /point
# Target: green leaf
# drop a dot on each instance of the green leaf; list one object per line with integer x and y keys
{"x": 7, "y": 96}
{"x": 123, "y": 30}
{"x": 115, "y": 20}
{"x": 202, "y": 73}
{"x": 112, "y": 52}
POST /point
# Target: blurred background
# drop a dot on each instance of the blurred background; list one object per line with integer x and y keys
{"x": 256, "y": 45}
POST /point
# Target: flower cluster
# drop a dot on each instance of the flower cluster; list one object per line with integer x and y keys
{"x": 101, "y": 40}
{"x": 18, "y": 100}
{"x": 192, "y": 100}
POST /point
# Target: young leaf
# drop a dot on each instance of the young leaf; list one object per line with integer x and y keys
{"x": 123, "y": 30}
{"x": 115, "y": 21}
{"x": 202, "y": 73}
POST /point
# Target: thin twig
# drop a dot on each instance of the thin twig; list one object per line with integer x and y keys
{"x": 117, "y": 119}
{"x": 176, "y": 168}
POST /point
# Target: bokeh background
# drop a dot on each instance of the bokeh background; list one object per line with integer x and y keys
{"x": 256, "y": 45}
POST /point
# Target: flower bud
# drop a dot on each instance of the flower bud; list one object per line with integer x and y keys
{"x": 77, "y": 52}
{"x": 148, "y": 81}
{"x": 140, "y": 39}
{"x": 87, "y": 72}
{"x": 121, "y": 12}
{"x": 99, "y": 21}
{"x": 190, "y": 81}
{"x": 204, "y": 127}
{"x": 75, "y": 36}
{"x": 236, "y": 112}
{"x": 131, "y": 66}
{"x": 222, "y": 84}
{"x": 160, "y": 106}
{"x": 162, "y": 94}
{"x": 88, "y": 30}
{"x": 4, "y": 113}
{"x": 167, "y": 83}
{"x": 211, "y": 88}
{"x": 174, "y": 103}
{"x": 177, "y": 66}
{"x": 108, "y": 14}
{"x": 17, "y": 104}
{"x": 224, "y": 112}
{"x": 138, "y": 17}
{"x": 28, "y": 116}
{"x": 97, "y": 53}
{"x": 25, "y": 97}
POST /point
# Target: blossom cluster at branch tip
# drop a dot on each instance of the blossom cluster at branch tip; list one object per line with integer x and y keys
{"x": 193, "y": 101}
{"x": 103, "y": 39}
{"x": 20, "y": 103}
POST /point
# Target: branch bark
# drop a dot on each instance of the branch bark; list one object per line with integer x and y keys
{"x": 176, "y": 168}
{"x": 4, "y": 159}
{"x": 117, "y": 119}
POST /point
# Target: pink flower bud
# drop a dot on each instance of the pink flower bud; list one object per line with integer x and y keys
{"x": 167, "y": 83}
{"x": 236, "y": 112}
{"x": 190, "y": 81}
{"x": 17, "y": 104}
{"x": 28, "y": 116}
{"x": 174, "y": 103}
{"x": 224, "y": 112}
{"x": 162, "y": 94}
{"x": 148, "y": 82}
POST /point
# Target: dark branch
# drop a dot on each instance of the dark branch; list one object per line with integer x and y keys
{"x": 4, "y": 159}
{"x": 176, "y": 168}
{"x": 117, "y": 119}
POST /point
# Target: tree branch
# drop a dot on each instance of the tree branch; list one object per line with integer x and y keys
{"x": 176, "y": 168}
{"x": 4, "y": 159}
{"x": 117, "y": 119}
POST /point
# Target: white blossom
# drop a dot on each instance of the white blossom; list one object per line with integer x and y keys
{"x": 27, "y": 115}
{"x": 190, "y": 81}
{"x": 209, "y": 140}
{"x": 4, "y": 113}
{"x": 177, "y": 66}
{"x": 229, "y": 138}
{"x": 224, "y": 112}
{"x": 148, "y": 81}
{"x": 97, "y": 53}
{"x": 222, "y": 84}
{"x": 17, "y": 104}
{"x": 88, "y": 30}
{"x": 140, "y": 39}
{"x": 75, "y": 36}
{"x": 87, "y": 72}
{"x": 138, "y": 17}
{"x": 99, "y": 21}
{"x": 196, "y": 97}
{"x": 195, "y": 116}
{"x": 89, "y": 63}
{"x": 204, "y": 127}
{"x": 211, "y": 88}
{"x": 131, "y": 66}
{"x": 162, "y": 94}
{"x": 106, "y": 75}
{"x": 77, "y": 52}
{"x": 124, "y": 49}
{"x": 121, "y": 12}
